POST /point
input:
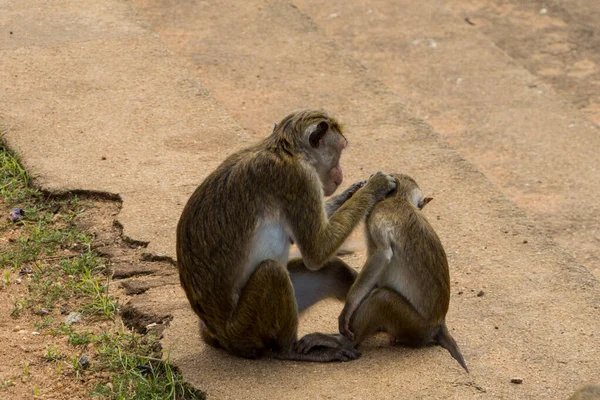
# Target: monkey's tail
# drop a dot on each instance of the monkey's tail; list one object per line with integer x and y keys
{"x": 444, "y": 339}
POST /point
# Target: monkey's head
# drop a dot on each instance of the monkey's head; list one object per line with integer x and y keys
{"x": 318, "y": 137}
{"x": 407, "y": 188}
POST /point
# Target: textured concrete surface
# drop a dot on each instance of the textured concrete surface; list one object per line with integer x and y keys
{"x": 530, "y": 141}
{"x": 143, "y": 99}
{"x": 104, "y": 106}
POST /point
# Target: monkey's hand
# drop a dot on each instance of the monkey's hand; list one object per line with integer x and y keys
{"x": 344, "y": 323}
{"x": 353, "y": 188}
{"x": 336, "y": 202}
{"x": 381, "y": 185}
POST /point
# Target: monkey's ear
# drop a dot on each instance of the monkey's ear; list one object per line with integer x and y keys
{"x": 275, "y": 124}
{"x": 316, "y": 135}
{"x": 424, "y": 202}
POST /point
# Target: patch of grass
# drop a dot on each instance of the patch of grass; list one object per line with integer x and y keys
{"x": 62, "y": 268}
{"x": 14, "y": 180}
{"x": 144, "y": 375}
{"x": 49, "y": 238}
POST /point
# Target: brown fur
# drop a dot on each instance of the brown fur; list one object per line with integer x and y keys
{"x": 284, "y": 175}
{"x": 401, "y": 240}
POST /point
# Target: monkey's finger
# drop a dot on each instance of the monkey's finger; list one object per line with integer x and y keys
{"x": 359, "y": 184}
{"x": 349, "y": 333}
{"x": 305, "y": 345}
{"x": 345, "y": 329}
{"x": 301, "y": 347}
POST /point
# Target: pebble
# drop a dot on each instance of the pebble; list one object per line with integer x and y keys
{"x": 16, "y": 214}
{"x": 84, "y": 362}
{"x": 517, "y": 381}
{"x": 480, "y": 293}
{"x": 73, "y": 318}
{"x": 17, "y": 328}
{"x": 22, "y": 332}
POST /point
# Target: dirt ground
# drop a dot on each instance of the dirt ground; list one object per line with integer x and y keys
{"x": 491, "y": 105}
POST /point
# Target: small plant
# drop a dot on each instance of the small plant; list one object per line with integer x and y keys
{"x": 6, "y": 277}
{"x": 78, "y": 339}
{"x": 44, "y": 323}
{"x": 36, "y": 390}
{"x": 26, "y": 369}
{"x": 52, "y": 353}
{"x": 5, "y": 383}
{"x": 76, "y": 366}
{"x": 19, "y": 305}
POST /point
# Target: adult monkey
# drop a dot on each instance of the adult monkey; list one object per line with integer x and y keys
{"x": 234, "y": 235}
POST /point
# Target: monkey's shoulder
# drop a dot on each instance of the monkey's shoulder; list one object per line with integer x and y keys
{"x": 390, "y": 211}
{"x": 387, "y": 221}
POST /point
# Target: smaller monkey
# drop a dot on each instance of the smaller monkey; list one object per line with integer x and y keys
{"x": 587, "y": 392}
{"x": 404, "y": 287}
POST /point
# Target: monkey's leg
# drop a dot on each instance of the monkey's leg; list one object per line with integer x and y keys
{"x": 386, "y": 310}
{"x": 334, "y": 279}
{"x": 266, "y": 315}
{"x": 266, "y": 318}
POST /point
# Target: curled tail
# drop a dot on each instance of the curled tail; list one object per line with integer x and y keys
{"x": 444, "y": 339}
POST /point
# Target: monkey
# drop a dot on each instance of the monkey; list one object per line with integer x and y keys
{"x": 404, "y": 286}
{"x": 234, "y": 234}
{"x": 587, "y": 392}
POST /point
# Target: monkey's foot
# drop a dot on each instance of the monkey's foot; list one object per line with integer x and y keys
{"x": 331, "y": 341}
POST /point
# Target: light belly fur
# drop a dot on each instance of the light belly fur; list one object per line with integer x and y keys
{"x": 270, "y": 241}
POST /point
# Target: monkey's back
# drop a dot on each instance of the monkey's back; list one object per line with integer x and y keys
{"x": 215, "y": 228}
{"x": 418, "y": 267}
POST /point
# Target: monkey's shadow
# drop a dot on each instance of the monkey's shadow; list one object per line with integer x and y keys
{"x": 209, "y": 369}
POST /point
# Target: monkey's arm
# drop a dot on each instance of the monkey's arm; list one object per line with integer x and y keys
{"x": 318, "y": 238}
{"x": 336, "y": 202}
{"x": 366, "y": 281}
